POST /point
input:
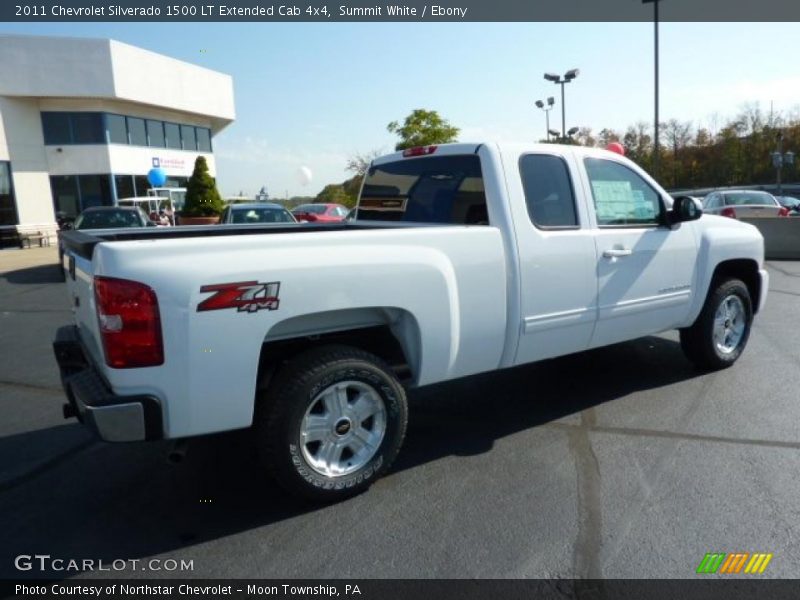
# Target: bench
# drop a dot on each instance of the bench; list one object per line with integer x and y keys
{"x": 42, "y": 238}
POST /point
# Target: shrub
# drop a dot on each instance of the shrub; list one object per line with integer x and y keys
{"x": 202, "y": 196}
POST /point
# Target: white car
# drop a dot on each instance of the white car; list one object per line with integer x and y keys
{"x": 739, "y": 204}
{"x": 463, "y": 258}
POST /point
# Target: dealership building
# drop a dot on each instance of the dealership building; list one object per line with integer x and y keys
{"x": 82, "y": 122}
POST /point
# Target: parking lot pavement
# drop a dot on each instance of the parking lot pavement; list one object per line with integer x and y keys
{"x": 619, "y": 462}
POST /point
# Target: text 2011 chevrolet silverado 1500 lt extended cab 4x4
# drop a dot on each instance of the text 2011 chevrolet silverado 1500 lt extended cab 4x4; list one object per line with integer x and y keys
{"x": 463, "y": 258}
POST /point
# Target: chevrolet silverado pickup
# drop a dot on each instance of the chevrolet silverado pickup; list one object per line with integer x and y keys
{"x": 460, "y": 259}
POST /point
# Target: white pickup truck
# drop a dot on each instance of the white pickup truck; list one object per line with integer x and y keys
{"x": 462, "y": 259}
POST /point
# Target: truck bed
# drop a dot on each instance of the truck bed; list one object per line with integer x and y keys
{"x": 82, "y": 243}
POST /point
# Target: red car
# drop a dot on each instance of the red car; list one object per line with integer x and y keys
{"x": 320, "y": 213}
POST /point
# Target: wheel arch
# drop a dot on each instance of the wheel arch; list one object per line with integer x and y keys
{"x": 390, "y": 333}
{"x": 745, "y": 269}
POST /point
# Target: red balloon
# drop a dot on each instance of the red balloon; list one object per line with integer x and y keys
{"x": 616, "y": 147}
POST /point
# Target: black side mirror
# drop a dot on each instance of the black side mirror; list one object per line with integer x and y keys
{"x": 685, "y": 208}
{"x": 66, "y": 226}
{"x": 150, "y": 224}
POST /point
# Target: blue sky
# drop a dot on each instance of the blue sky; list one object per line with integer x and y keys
{"x": 312, "y": 95}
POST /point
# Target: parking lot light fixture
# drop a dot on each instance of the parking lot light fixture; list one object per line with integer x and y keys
{"x": 546, "y": 109}
{"x": 558, "y": 80}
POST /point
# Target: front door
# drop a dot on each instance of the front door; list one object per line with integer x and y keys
{"x": 645, "y": 269}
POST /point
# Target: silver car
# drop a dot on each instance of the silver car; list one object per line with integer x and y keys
{"x": 256, "y": 213}
{"x": 739, "y": 204}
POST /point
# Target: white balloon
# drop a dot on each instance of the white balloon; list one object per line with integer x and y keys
{"x": 304, "y": 175}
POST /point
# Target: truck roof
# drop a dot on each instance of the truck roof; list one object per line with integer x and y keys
{"x": 510, "y": 145}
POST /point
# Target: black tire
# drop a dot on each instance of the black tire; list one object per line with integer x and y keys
{"x": 698, "y": 342}
{"x": 295, "y": 389}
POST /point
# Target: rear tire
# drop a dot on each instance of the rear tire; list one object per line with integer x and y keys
{"x": 719, "y": 335}
{"x": 331, "y": 422}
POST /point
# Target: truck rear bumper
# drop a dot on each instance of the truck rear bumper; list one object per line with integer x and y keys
{"x": 113, "y": 418}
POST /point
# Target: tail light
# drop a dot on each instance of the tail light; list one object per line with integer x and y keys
{"x": 419, "y": 151}
{"x": 728, "y": 212}
{"x": 127, "y": 312}
{"x": 783, "y": 212}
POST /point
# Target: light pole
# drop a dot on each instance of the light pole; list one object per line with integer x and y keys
{"x": 546, "y": 109}
{"x": 557, "y": 79}
{"x": 572, "y": 131}
{"x": 779, "y": 159}
{"x": 655, "y": 124}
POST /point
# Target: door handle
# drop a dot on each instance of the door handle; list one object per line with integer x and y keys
{"x": 617, "y": 252}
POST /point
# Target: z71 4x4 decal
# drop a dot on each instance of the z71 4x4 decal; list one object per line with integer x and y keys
{"x": 244, "y": 296}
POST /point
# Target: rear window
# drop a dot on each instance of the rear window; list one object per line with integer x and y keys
{"x": 751, "y": 198}
{"x": 261, "y": 215}
{"x": 108, "y": 219}
{"x": 436, "y": 189}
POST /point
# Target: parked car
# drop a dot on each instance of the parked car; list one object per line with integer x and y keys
{"x": 104, "y": 217}
{"x": 743, "y": 203}
{"x": 253, "y": 212}
{"x": 312, "y": 336}
{"x": 320, "y": 212}
{"x": 792, "y": 204}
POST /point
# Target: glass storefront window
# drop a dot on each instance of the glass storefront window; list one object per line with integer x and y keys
{"x": 87, "y": 128}
{"x": 136, "y": 132}
{"x": 187, "y": 135}
{"x": 142, "y": 185}
{"x": 203, "y": 139}
{"x": 124, "y": 185}
{"x": 65, "y": 195}
{"x": 55, "y": 126}
{"x": 173, "y": 132}
{"x": 8, "y": 206}
{"x": 117, "y": 130}
{"x": 155, "y": 133}
{"x": 63, "y": 128}
{"x": 95, "y": 190}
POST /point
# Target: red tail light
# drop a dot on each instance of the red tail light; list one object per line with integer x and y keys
{"x": 728, "y": 212}
{"x": 127, "y": 312}
{"x": 419, "y": 151}
{"x": 783, "y": 212}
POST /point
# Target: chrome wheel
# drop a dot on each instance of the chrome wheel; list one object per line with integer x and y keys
{"x": 730, "y": 322}
{"x": 343, "y": 428}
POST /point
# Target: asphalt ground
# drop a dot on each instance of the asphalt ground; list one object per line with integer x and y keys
{"x": 619, "y": 462}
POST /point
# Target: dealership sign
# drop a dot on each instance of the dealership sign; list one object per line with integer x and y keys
{"x": 160, "y": 162}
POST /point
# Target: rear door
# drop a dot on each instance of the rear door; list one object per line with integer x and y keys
{"x": 557, "y": 255}
{"x": 645, "y": 269}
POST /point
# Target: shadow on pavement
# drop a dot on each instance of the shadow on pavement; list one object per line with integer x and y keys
{"x": 39, "y": 274}
{"x": 114, "y": 501}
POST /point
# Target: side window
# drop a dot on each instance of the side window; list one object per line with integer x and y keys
{"x": 713, "y": 201}
{"x": 621, "y": 196}
{"x": 548, "y": 191}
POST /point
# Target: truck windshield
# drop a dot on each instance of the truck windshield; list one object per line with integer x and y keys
{"x": 435, "y": 189}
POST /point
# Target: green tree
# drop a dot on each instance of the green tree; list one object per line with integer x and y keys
{"x": 335, "y": 193}
{"x": 423, "y": 128}
{"x": 202, "y": 196}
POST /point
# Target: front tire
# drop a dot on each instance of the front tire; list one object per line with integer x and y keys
{"x": 719, "y": 335}
{"x": 331, "y": 422}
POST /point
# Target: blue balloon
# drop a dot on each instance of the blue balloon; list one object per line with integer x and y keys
{"x": 157, "y": 177}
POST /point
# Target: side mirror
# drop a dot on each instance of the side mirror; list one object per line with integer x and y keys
{"x": 151, "y": 224}
{"x": 66, "y": 226}
{"x": 685, "y": 208}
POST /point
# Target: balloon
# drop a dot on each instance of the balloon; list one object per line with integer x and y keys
{"x": 616, "y": 147}
{"x": 304, "y": 175}
{"x": 157, "y": 177}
